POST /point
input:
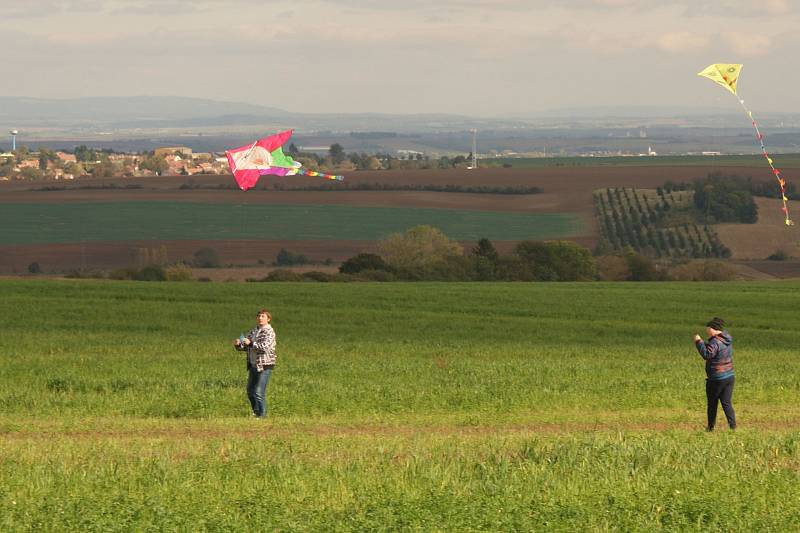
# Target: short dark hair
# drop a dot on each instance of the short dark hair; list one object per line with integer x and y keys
{"x": 265, "y": 312}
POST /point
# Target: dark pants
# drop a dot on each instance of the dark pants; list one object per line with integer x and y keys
{"x": 257, "y": 390}
{"x": 721, "y": 391}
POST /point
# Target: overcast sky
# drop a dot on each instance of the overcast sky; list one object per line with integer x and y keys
{"x": 480, "y": 57}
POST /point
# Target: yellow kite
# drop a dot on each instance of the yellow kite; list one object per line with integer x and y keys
{"x": 727, "y": 75}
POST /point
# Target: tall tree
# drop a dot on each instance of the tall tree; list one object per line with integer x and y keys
{"x": 419, "y": 247}
{"x": 337, "y": 153}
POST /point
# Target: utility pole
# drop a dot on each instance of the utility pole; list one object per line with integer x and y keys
{"x": 474, "y": 162}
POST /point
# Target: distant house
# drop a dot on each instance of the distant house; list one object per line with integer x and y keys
{"x": 409, "y": 154}
{"x": 28, "y": 163}
{"x": 172, "y": 150}
{"x": 61, "y": 175}
{"x": 66, "y": 158}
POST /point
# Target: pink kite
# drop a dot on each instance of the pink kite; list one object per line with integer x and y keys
{"x": 265, "y": 156}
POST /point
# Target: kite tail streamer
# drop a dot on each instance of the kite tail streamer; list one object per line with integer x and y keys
{"x": 304, "y": 172}
{"x": 775, "y": 171}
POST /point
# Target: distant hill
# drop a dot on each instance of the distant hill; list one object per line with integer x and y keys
{"x": 159, "y": 112}
{"x": 134, "y": 109}
{"x": 182, "y": 112}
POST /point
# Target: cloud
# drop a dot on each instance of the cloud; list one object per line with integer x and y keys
{"x": 166, "y": 7}
{"x": 747, "y": 9}
{"x": 680, "y": 42}
{"x": 49, "y": 8}
{"x": 749, "y": 45}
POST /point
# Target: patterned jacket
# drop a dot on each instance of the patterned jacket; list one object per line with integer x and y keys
{"x": 261, "y": 351}
{"x": 718, "y": 353}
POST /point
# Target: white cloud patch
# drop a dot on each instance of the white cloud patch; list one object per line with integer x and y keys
{"x": 749, "y": 45}
{"x": 682, "y": 41}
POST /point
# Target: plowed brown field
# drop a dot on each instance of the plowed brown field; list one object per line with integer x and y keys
{"x": 565, "y": 190}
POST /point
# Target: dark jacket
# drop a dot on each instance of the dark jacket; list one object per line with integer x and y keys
{"x": 718, "y": 353}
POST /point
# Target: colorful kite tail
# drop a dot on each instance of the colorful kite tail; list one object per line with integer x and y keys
{"x": 775, "y": 171}
{"x": 334, "y": 177}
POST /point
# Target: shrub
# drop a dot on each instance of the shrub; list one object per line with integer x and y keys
{"x": 484, "y": 269}
{"x": 122, "y": 273}
{"x": 376, "y": 275}
{"x": 363, "y": 261}
{"x": 557, "y": 260}
{"x": 457, "y": 268}
{"x": 315, "y": 275}
{"x": 287, "y": 258}
{"x": 282, "y": 274}
{"x": 206, "y": 258}
{"x": 513, "y": 268}
{"x": 151, "y": 273}
{"x": 485, "y": 248}
{"x": 34, "y": 268}
{"x": 779, "y": 255}
{"x": 643, "y": 269}
{"x": 179, "y": 272}
{"x": 612, "y": 268}
{"x": 703, "y": 271}
{"x": 418, "y": 247}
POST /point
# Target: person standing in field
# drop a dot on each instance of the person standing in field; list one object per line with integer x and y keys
{"x": 718, "y": 354}
{"x": 259, "y": 343}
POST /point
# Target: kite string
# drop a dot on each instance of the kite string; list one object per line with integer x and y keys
{"x": 775, "y": 171}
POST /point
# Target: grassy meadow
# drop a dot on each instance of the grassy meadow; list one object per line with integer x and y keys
{"x": 424, "y": 406}
{"x": 45, "y": 223}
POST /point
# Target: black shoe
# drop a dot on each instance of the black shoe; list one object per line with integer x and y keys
{"x": 709, "y": 429}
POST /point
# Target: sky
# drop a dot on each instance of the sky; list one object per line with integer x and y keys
{"x": 471, "y": 57}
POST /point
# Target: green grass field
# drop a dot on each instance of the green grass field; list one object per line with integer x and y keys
{"x": 424, "y": 406}
{"x": 756, "y": 160}
{"x": 79, "y": 222}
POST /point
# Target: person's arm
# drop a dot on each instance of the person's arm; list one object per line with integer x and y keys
{"x": 707, "y": 350}
{"x": 241, "y": 344}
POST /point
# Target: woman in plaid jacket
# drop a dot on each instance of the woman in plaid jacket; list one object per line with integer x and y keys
{"x": 259, "y": 343}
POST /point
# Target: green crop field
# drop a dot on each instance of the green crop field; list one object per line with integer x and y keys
{"x": 120, "y": 221}
{"x": 395, "y": 406}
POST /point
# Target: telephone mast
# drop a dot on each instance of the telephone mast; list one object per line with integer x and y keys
{"x": 474, "y": 162}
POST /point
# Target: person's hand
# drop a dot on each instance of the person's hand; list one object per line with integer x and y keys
{"x": 247, "y": 342}
{"x": 237, "y": 342}
{"x": 697, "y": 338}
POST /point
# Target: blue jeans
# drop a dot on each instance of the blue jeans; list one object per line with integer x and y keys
{"x": 257, "y": 390}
